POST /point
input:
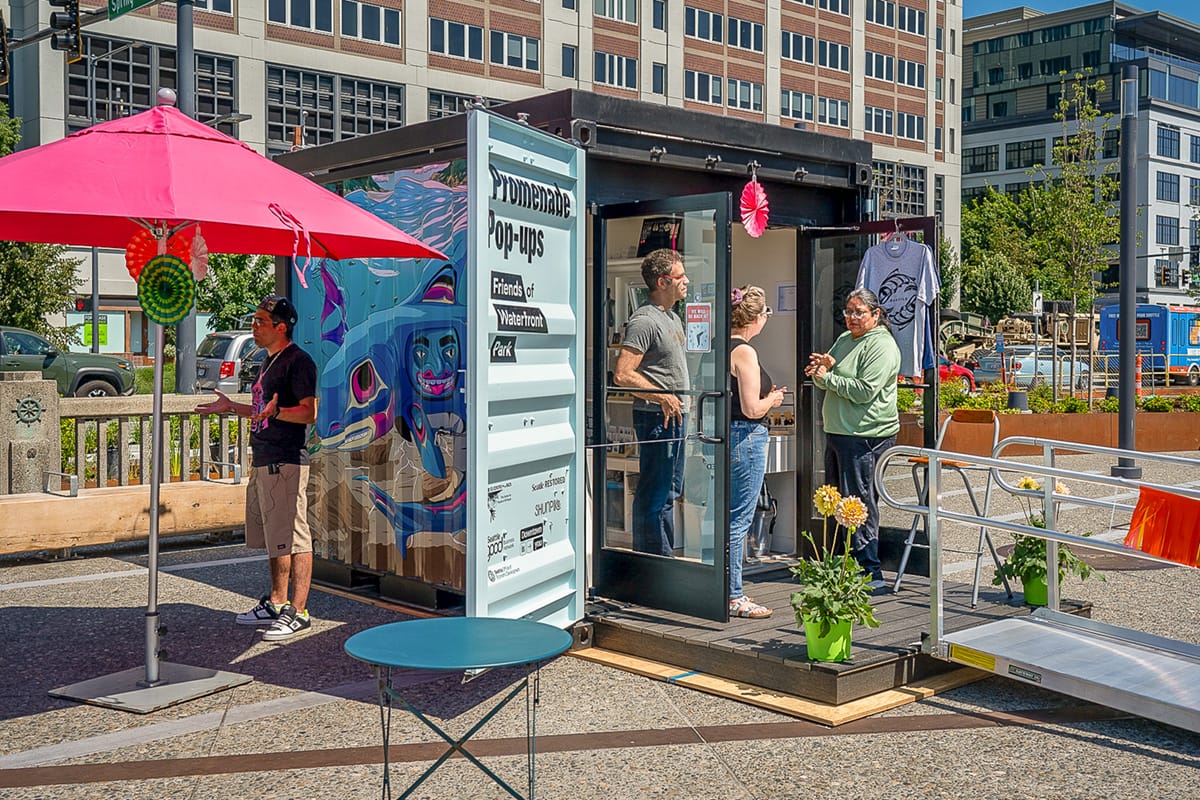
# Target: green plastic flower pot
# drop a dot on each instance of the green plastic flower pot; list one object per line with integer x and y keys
{"x": 834, "y": 647}
{"x": 1036, "y": 593}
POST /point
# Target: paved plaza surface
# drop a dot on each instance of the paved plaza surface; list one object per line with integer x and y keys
{"x": 308, "y": 725}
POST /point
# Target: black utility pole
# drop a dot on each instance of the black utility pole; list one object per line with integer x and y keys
{"x": 185, "y": 87}
{"x": 1126, "y": 330}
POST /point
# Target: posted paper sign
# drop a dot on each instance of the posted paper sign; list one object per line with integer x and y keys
{"x": 699, "y": 327}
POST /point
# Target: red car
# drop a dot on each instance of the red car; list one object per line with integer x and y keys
{"x": 951, "y": 373}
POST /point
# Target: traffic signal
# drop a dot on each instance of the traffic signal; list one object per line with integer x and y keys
{"x": 83, "y": 303}
{"x": 65, "y": 23}
{"x": 3, "y": 51}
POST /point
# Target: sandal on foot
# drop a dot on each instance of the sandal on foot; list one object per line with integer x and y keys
{"x": 745, "y": 607}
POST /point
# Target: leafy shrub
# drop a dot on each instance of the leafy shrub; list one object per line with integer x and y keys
{"x": 906, "y": 400}
{"x": 1041, "y": 399}
{"x": 1109, "y": 405}
{"x": 952, "y": 396}
{"x": 1156, "y": 403}
{"x": 1071, "y": 405}
{"x": 1189, "y": 402}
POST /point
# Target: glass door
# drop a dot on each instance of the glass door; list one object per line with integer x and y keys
{"x": 668, "y": 480}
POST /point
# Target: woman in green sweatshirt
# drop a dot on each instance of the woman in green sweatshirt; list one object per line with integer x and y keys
{"x": 859, "y": 375}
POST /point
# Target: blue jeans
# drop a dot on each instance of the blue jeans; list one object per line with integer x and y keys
{"x": 850, "y": 460}
{"x": 747, "y": 466}
{"x": 660, "y": 481}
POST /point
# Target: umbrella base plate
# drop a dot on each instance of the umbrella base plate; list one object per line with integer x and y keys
{"x": 127, "y": 690}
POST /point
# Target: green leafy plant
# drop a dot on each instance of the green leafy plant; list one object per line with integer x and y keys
{"x": 1109, "y": 405}
{"x": 906, "y": 400}
{"x": 1189, "y": 402}
{"x": 952, "y": 395}
{"x": 1156, "y": 403}
{"x": 1041, "y": 399}
{"x": 1071, "y": 405}
{"x": 835, "y": 588}
{"x": 1027, "y": 561}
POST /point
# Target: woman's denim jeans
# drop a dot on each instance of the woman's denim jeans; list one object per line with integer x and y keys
{"x": 747, "y": 466}
{"x": 660, "y": 481}
{"x": 850, "y": 460}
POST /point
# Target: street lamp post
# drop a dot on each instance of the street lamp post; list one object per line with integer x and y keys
{"x": 1126, "y": 332}
{"x": 91, "y": 82}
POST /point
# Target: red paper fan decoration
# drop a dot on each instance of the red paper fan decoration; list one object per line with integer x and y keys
{"x": 187, "y": 245}
{"x": 142, "y": 247}
{"x": 754, "y": 208}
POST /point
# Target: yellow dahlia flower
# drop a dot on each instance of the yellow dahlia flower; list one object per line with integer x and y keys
{"x": 851, "y": 512}
{"x": 826, "y": 499}
{"x": 1061, "y": 488}
{"x": 1028, "y": 483}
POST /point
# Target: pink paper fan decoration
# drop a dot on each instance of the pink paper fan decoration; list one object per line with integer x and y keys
{"x": 754, "y": 209}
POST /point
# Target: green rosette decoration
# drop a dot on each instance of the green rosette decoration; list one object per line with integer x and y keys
{"x": 166, "y": 289}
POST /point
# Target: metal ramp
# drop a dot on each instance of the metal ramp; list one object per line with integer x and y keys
{"x": 1144, "y": 674}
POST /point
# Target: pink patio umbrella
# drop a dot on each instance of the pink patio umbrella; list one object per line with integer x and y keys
{"x": 162, "y": 172}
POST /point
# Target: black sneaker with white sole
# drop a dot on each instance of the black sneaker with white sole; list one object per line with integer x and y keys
{"x": 265, "y": 613}
{"x": 289, "y": 623}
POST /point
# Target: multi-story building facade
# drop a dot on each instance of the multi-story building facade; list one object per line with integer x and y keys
{"x": 1012, "y": 65}
{"x": 317, "y": 71}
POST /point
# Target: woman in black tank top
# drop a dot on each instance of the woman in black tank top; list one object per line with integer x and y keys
{"x": 753, "y": 395}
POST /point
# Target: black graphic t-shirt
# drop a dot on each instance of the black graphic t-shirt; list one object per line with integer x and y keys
{"x": 292, "y": 375}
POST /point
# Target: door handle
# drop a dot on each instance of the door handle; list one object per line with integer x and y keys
{"x": 700, "y": 418}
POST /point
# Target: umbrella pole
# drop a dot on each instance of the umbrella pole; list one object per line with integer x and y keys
{"x": 153, "y": 629}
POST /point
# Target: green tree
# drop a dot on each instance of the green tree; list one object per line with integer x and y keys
{"x": 233, "y": 288}
{"x": 995, "y": 288}
{"x": 950, "y": 271}
{"x": 998, "y": 224}
{"x": 36, "y": 280}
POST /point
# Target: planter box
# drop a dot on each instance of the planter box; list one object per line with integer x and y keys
{"x": 1156, "y": 432}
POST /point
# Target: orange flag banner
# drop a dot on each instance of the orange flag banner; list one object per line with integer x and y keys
{"x": 1166, "y": 525}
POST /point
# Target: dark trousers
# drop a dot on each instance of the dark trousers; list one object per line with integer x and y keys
{"x": 660, "y": 481}
{"x": 850, "y": 460}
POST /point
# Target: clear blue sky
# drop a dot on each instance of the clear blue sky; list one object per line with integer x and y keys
{"x": 1184, "y": 9}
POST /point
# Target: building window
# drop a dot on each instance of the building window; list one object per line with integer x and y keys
{"x": 880, "y": 66}
{"x": 702, "y": 87}
{"x": 518, "y": 52}
{"x": 878, "y": 120}
{"x": 981, "y": 159}
{"x": 937, "y": 138}
{"x": 1025, "y": 71}
{"x": 1168, "y": 141}
{"x": 1194, "y": 254}
{"x": 569, "y": 4}
{"x": 910, "y": 126}
{"x": 939, "y": 196}
{"x": 1111, "y": 144}
{"x": 996, "y": 75}
{"x": 126, "y": 83}
{"x": 569, "y": 55}
{"x": 833, "y": 112}
{"x": 1015, "y": 189}
{"x": 953, "y": 46}
{"x": 745, "y": 95}
{"x": 937, "y": 88}
{"x": 912, "y": 73}
{"x": 369, "y": 106}
{"x": 836, "y": 6}
{"x": 1166, "y": 230}
{"x": 939, "y": 38}
{"x": 614, "y": 70}
{"x": 1053, "y": 66}
{"x": 1167, "y": 184}
{"x": 658, "y": 78}
{"x": 745, "y": 35}
{"x": 702, "y": 24}
{"x": 659, "y": 15}
{"x": 620, "y": 10}
{"x": 881, "y": 12}
{"x": 371, "y": 23}
{"x": 1026, "y": 154}
{"x": 327, "y": 107}
{"x": 215, "y": 6}
{"x": 1194, "y": 192}
{"x": 899, "y": 189}
{"x": 798, "y": 47}
{"x": 953, "y": 93}
{"x": 455, "y": 39}
{"x": 313, "y": 15}
{"x": 797, "y": 105}
{"x": 910, "y": 20}
{"x": 446, "y": 104}
{"x": 1195, "y": 141}
{"x": 833, "y": 55}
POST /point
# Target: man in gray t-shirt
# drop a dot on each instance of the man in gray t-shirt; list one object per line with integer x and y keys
{"x": 653, "y": 359}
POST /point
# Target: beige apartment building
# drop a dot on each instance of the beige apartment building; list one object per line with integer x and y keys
{"x": 887, "y": 72}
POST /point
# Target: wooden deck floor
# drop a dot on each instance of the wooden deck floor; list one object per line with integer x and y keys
{"x": 771, "y": 652}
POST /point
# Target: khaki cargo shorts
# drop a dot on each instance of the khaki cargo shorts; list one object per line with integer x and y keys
{"x": 277, "y": 509}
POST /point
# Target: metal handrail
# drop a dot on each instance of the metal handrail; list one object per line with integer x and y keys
{"x": 934, "y": 514}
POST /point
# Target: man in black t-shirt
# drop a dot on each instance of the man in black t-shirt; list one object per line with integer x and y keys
{"x": 283, "y": 403}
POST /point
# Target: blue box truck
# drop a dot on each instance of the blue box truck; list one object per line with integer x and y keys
{"x": 1167, "y": 336}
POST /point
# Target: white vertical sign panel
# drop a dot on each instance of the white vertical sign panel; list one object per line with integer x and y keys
{"x": 526, "y": 272}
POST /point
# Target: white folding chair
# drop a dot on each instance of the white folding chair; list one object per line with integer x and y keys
{"x": 960, "y": 417}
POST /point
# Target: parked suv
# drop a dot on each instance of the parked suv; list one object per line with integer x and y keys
{"x": 219, "y": 359}
{"x": 77, "y": 374}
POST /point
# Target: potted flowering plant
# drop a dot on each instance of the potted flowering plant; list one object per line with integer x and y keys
{"x": 836, "y": 593}
{"x": 1027, "y": 561}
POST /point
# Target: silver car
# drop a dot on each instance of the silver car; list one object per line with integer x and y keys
{"x": 219, "y": 360}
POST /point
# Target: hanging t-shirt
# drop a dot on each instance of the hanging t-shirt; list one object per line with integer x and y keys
{"x": 900, "y": 272}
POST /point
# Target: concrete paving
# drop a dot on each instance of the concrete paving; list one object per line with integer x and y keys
{"x": 308, "y": 726}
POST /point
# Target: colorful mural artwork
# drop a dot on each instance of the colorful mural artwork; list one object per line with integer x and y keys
{"x": 389, "y": 447}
